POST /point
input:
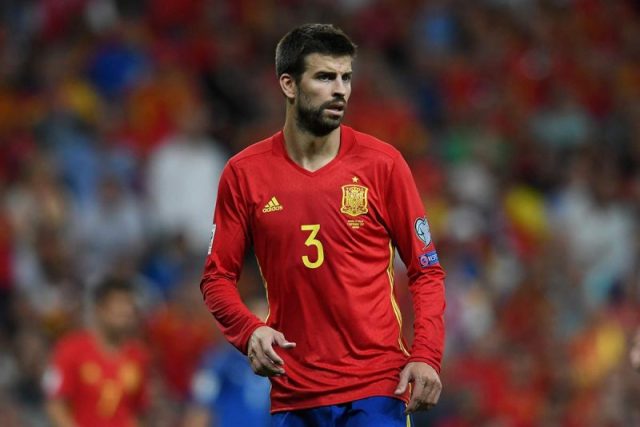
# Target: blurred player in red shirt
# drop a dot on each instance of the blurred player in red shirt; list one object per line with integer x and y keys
{"x": 325, "y": 208}
{"x": 98, "y": 377}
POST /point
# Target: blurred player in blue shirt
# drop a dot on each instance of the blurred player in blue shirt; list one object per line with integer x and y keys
{"x": 224, "y": 390}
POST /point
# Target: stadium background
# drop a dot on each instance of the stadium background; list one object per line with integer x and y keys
{"x": 520, "y": 120}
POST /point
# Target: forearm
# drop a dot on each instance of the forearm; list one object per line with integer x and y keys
{"x": 428, "y": 296}
{"x": 236, "y": 321}
{"x": 410, "y": 231}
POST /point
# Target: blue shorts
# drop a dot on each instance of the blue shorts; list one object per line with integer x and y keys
{"x": 369, "y": 412}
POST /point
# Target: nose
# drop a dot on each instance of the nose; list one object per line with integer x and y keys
{"x": 339, "y": 88}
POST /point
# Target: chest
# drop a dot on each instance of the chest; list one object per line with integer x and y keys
{"x": 119, "y": 375}
{"x": 348, "y": 200}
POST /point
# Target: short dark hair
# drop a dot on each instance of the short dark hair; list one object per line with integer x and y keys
{"x": 325, "y": 39}
{"x": 109, "y": 286}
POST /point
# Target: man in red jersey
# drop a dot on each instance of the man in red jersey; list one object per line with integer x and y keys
{"x": 98, "y": 377}
{"x": 325, "y": 208}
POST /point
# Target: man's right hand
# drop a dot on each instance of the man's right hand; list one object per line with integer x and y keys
{"x": 263, "y": 358}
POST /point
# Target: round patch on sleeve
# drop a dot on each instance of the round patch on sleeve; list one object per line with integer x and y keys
{"x": 422, "y": 230}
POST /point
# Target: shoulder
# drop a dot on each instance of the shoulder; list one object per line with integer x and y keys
{"x": 379, "y": 156}
{"x": 79, "y": 338}
{"x": 77, "y": 342}
{"x": 253, "y": 153}
{"x": 137, "y": 350}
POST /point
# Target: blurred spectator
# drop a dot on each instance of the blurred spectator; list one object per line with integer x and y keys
{"x": 30, "y": 360}
{"x": 99, "y": 376}
{"x": 182, "y": 180}
{"x": 108, "y": 230}
{"x": 48, "y": 288}
{"x": 165, "y": 266}
{"x": 179, "y": 332}
{"x": 563, "y": 124}
{"x": 598, "y": 230}
{"x": 7, "y": 291}
{"x": 519, "y": 118}
{"x": 224, "y": 390}
{"x": 38, "y": 199}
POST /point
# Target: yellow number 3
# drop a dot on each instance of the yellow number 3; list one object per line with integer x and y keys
{"x": 312, "y": 241}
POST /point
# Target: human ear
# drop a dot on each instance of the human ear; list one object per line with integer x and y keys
{"x": 288, "y": 86}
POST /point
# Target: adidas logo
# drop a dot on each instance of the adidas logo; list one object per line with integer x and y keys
{"x": 272, "y": 206}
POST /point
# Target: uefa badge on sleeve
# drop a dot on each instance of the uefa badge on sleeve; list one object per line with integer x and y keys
{"x": 428, "y": 259}
{"x": 421, "y": 226}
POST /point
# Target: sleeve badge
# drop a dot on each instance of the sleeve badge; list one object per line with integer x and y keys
{"x": 423, "y": 232}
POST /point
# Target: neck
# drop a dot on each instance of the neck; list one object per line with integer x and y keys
{"x": 110, "y": 342}
{"x": 309, "y": 151}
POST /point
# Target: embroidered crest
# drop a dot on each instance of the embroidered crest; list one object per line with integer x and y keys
{"x": 354, "y": 200}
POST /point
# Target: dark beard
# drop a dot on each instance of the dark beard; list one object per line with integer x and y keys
{"x": 311, "y": 120}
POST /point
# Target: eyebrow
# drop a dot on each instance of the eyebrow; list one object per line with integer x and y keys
{"x": 331, "y": 73}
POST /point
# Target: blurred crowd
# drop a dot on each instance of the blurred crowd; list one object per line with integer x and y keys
{"x": 519, "y": 118}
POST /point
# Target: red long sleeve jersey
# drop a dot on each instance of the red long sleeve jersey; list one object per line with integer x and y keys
{"x": 325, "y": 244}
{"x": 102, "y": 389}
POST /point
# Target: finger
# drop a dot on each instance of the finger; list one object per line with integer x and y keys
{"x": 416, "y": 397}
{"x": 404, "y": 381}
{"x": 273, "y": 356}
{"x": 254, "y": 361}
{"x": 265, "y": 366}
{"x": 432, "y": 392}
{"x": 269, "y": 368}
{"x": 255, "y": 364}
{"x": 252, "y": 351}
{"x": 282, "y": 341}
{"x": 271, "y": 359}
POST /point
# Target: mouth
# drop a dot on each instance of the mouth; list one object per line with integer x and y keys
{"x": 336, "y": 107}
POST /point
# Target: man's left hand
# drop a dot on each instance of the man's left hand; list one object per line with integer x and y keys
{"x": 426, "y": 386}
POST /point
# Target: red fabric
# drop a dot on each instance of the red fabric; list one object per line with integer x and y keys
{"x": 340, "y": 314}
{"x": 102, "y": 388}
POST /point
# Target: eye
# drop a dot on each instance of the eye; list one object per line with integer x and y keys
{"x": 346, "y": 78}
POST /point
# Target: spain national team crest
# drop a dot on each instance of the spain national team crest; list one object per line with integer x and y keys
{"x": 354, "y": 199}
